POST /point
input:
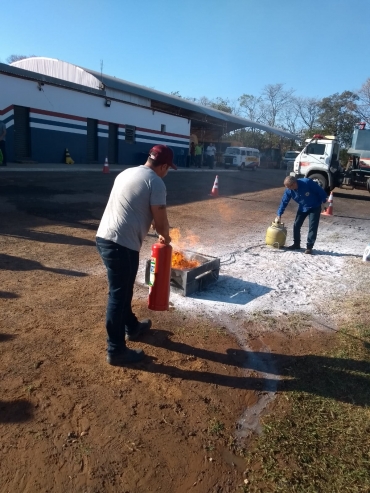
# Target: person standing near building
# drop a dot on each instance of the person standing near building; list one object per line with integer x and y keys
{"x": 309, "y": 197}
{"x": 137, "y": 198}
{"x": 198, "y": 155}
{"x": 2, "y": 143}
{"x": 211, "y": 152}
{"x": 192, "y": 154}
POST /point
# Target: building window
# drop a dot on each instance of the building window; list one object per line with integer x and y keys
{"x": 163, "y": 129}
{"x": 130, "y": 133}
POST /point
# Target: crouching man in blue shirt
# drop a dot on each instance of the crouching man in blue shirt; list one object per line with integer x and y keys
{"x": 309, "y": 197}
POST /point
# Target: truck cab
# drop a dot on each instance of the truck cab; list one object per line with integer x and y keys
{"x": 319, "y": 160}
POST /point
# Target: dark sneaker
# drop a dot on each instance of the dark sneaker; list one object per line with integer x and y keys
{"x": 294, "y": 247}
{"x": 134, "y": 333}
{"x": 128, "y": 356}
{"x": 308, "y": 251}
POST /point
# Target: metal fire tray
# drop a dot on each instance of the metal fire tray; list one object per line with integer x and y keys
{"x": 188, "y": 281}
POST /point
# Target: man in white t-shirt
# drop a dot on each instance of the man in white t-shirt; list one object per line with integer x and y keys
{"x": 211, "y": 152}
{"x": 137, "y": 198}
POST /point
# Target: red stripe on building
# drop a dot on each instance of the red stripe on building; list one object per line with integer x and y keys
{"x": 59, "y": 115}
{"x": 2, "y": 112}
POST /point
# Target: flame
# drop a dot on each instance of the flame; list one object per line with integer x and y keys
{"x": 181, "y": 243}
{"x": 179, "y": 261}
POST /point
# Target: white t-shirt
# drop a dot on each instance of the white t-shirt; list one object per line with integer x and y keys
{"x": 211, "y": 150}
{"x": 127, "y": 216}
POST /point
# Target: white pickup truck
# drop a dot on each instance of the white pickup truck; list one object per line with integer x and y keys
{"x": 288, "y": 160}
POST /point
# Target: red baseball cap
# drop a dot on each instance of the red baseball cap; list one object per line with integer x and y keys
{"x": 162, "y": 154}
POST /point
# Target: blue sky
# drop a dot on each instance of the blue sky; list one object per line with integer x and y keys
{"x": 213, "y": 48}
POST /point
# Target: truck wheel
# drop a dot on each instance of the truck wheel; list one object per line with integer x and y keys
{"x": 320, "y": 180}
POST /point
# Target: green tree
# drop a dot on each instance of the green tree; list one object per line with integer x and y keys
{"x": 363, "y": 105}
{"x": 218, "y": 103}
{"x": 308, "y": 110}
{"x": 17, "y": 58}
{"x": 338, "y": 115}
{"x": 275, "y": 100}
{"x": 251, "y": 107}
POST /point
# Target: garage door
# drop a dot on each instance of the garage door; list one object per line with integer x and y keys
{"x": 22, "y": 148}
{"x": 92, "y": 141}
{"x": 113, "y": 143}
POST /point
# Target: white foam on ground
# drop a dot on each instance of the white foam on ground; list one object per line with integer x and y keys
{"x": 254, "y": 277}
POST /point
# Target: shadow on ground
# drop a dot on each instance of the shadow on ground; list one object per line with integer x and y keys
{"x": 16, "y": 411}
{"x": 232, "y": 290}
{"x": 9, "y": 262}
{"x": 342, "y": 379}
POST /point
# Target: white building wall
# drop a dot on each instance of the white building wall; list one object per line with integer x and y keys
{"x": 23, "y": 92}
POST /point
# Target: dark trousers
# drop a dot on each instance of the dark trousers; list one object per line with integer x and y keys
{"x": 198, "y": 160}
{"x": 210, "y": 161}
{"x": 122, "y": 265}
{"x": 314, "y": 219}
{"x": 3, "y": 150}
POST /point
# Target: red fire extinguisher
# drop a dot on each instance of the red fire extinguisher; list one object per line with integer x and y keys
{"x": 160, "y": 276}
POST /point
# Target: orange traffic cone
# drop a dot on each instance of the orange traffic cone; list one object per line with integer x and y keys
{"x": 329, "y": 210}
{"x": 214, "y": 192}
{"x": 106, "y": 166}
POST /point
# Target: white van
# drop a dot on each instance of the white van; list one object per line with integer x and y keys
{"x": 241, "y": 158}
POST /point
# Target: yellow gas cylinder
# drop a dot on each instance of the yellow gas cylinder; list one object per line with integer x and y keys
{"x": 276, "y": 235}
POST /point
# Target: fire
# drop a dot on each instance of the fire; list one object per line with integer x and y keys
{"x": 179, "y": 261}
{"x": 183, "y": 242}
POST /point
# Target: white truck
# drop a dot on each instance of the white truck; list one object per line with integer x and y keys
{"x": 319, "y": 160}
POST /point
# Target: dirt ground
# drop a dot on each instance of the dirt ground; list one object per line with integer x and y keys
{"x": 71, "y": 423}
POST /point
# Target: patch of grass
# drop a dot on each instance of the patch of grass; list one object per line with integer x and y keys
{"x": 83, "y": 450}
{"x": 209, "y": 447}
{"x": 215, "y": 427}
{"x": 318, "y": 440}
{"x": 29, "y": 389}
{"x": 287, "y": 323}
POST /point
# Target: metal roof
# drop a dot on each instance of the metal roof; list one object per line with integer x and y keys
{"x": 31, "y": 75}
{"x": 168, "y": 99}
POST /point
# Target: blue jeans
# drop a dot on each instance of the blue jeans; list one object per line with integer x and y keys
{"x": 313, "y": 226}
{"x": 210, "y": 161}
{"x": 122, "y": 265}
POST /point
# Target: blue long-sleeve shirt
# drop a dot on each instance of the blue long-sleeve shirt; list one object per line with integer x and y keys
{"x": 308, "y": 196}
